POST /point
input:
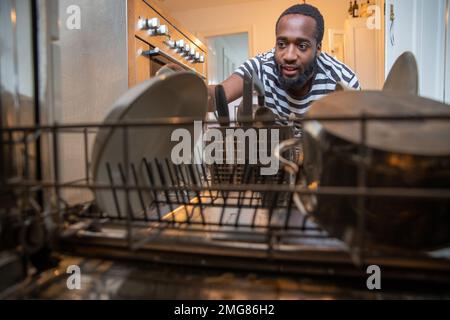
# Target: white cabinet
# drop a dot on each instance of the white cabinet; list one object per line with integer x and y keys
{"x": 363, "y": 53}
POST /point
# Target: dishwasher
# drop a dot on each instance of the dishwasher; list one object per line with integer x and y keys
{"x": 209, "y": 231}
{"x": 338, "y": 209}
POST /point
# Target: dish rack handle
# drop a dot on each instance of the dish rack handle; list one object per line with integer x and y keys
{"x": 294, "y": 170}
{"x": 251, "y": 83}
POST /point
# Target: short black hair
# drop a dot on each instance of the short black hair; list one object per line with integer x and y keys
{"x": 310, "y": 11}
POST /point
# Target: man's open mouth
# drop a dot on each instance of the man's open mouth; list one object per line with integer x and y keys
{"x": 289, "y": 71}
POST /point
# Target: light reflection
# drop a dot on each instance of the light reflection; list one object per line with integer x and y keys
{"x": 13, "y": 16}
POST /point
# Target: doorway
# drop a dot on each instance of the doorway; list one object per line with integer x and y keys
{"x": 226, "y": 53}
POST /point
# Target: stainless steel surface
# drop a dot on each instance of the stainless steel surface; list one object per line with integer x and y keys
{"x": 371, "y": 153}
{"x": 90, "y": 72}
{"x": 404, "y": 75}
{"x": 92, "y": 68}
{"x": 421, "y": 138}
{"x": 48, "y": 30}
{"x": 108, "y": 279}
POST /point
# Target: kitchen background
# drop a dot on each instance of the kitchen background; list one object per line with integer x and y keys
{"x": 55, "y": 72}
{"x": 235, "y": 30}
{"x": 85, "y": 71}
{"x": 418, "y": 26}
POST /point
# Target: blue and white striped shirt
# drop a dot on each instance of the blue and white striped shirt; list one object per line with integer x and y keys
{"x": 329, "y": 72}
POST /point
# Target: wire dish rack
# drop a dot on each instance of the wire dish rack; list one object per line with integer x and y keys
{"x": 202, "y": 215}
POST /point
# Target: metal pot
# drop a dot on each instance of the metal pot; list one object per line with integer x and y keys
{"x": 412, "y": 154}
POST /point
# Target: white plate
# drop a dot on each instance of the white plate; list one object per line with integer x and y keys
{"x": 181, "y": 94}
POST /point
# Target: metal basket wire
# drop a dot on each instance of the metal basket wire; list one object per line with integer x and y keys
{"x": 194, "y": 205}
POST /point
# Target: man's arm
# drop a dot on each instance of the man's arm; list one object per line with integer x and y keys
{"x": 232, "y": 86}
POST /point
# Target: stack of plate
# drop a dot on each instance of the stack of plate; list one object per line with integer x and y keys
{"x": 172, "y": 96}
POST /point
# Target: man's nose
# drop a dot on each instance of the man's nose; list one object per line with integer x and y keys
{"x": 290, "y": 55}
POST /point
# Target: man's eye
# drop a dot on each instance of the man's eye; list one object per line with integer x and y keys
{"x": 281, "y": 44}
{"x": 303, "y": 46}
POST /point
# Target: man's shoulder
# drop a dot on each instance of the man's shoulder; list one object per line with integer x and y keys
{"x": 334, "y": 68}
{"x": 266, "y": 57}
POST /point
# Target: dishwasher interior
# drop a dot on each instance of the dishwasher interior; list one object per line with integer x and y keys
{"x": 220, "y": 222}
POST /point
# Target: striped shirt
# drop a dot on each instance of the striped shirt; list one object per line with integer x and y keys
{"x": 329, "y": 72}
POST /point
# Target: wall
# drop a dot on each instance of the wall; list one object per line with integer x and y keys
{"x": 258, "y": 18}
{"x": 419, "y": 27}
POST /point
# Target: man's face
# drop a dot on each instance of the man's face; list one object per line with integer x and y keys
{"x": 296, "y": 50}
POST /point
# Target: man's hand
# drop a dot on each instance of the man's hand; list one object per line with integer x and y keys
{"x": 233, "y": 87}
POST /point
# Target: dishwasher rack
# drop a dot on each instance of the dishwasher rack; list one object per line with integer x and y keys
{"x": 200, "y": 215}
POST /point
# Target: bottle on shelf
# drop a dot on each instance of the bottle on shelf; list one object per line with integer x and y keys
{"x": 350, "y": 10}
{"x": 355, "y": 10}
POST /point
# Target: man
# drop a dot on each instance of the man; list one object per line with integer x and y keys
{"x": 296, "y": 72}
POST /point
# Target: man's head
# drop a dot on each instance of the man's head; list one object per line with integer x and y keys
{"x": 299, "y": 34}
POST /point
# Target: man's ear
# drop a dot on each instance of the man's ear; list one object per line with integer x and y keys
{"x": 319, "y": 49}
